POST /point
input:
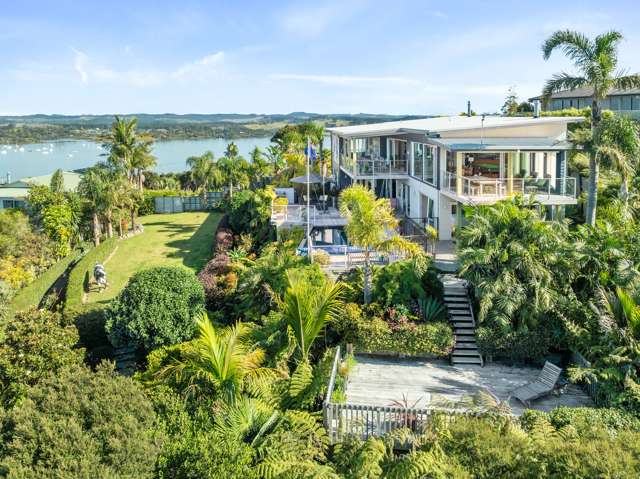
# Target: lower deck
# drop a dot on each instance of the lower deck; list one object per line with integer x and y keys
{"x": 424, "y": 384}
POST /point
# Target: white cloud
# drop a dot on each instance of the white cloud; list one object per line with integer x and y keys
{"x": 80, "y": 65}
{"x": 347, "y": 80}
{"x": 197, "y": 70}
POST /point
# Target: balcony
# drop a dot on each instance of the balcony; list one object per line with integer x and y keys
{"x": 484, "y": 190}
{"x": 286, "y": 216}
{"x": 368, "y": 166}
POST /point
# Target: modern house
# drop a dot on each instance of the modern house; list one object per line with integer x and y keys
{"x": 14, "y": 194}
{"x": 625, "y": 102}
{"x": 430, "y": 167}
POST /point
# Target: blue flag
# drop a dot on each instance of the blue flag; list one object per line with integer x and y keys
{"x": 309, "y": 150}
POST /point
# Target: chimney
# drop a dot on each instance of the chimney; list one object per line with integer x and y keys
{"x": 536, "y": 108}
{"x": 468, "y": 108}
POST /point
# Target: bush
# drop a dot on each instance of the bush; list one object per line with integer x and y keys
{"x": 31, "y": 295}
{"x": 586, "y": 421}
{"x": 250, "y": 212}
{"x": 223, "y": 241}
{"x": 82, "y": 271}
{"x": 34, "y": 343}
{"x": 156, "y": 308}
{"x": 219, "y": 282}
{"x": 398, "y": 283}
{"x": 375, "y": 335}
{"x": 514, "y": 346}
{"x": 81, "y": 424}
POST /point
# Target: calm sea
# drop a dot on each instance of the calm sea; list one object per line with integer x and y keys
{"x": 41, "y": 158}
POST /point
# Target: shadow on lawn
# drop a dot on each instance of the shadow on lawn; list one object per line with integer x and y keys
{"x": 196, "y": 250}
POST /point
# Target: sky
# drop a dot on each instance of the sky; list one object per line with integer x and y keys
{"x": 336, "y": 56}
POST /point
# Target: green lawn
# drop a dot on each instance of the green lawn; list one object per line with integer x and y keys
{"x": 181, "y": 239}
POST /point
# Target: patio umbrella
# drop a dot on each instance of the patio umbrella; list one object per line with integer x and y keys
{"x": 312, "y": 178}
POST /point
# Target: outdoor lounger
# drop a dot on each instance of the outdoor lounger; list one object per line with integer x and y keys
{"x": 543, "y": 385}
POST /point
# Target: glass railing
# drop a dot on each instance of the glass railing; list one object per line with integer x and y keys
{"x": 381, "y": 166}
{"x": 479, "y": 186}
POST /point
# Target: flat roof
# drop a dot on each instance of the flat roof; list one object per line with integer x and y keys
{"x": 13, "y": 193}
{"x": 445, "y": 124}
{"x": 502, "y": 144}
{"x": 587, "y": 92}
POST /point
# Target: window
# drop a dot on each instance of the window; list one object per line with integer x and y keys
{"x": 636, "y": 102}
{"x": 615, "y": 103}
{"x": 8, "y": 204}
{"x": 424, "y": 162}
{"x": 626, "y": 102}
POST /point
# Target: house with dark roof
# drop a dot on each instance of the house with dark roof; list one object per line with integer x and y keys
{"x": 626, "y": 102}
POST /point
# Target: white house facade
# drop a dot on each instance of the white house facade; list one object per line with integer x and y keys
{"x": 430, "y": 167}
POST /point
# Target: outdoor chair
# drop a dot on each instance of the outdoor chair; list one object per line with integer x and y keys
{"x": 543, "y": 385}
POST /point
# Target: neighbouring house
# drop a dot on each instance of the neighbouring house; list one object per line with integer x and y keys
{"x": 14, "y": 194}
{"x": 431, "y": 167}
{"x": 625, "y": 102}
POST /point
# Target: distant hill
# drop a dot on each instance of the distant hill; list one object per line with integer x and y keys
{"x": 165, "y": 126}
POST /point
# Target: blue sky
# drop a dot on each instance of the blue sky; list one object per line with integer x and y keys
{"x": 407, "y": 57}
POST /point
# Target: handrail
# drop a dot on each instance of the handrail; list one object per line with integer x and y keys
{"x": 332, "y": 378}
{"x": 505, "y": 186}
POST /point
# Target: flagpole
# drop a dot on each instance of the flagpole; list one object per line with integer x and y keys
{"x": 309, "y": 200}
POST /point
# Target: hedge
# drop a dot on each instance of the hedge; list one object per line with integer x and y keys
{"x": 80, "y": 274}
{"x": 30, "y": 296}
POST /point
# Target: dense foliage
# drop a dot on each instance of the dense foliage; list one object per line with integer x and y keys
{"x": 250, "y": 213}
{"x": 81, "y": 423}
{"x": 156, "y": 308}
{"x": 33, "y": 344}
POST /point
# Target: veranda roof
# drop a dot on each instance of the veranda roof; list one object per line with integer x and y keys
{"x": 312, "y": 179}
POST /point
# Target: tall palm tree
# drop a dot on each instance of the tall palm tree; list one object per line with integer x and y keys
{"x": 202, "y": 172}
{"x": 142, "y": 159}
{"x": 221, "y": 362}
{"x": 121, "y": 144}
{"x": 308, "y": 307}
{"x": 617, "y": 140}
{"x": 260, "y": 168}
{"x": 371, "y": 225}
{"x": 233, "y": 168}
{"x": 597, "y": 63}
{"x": 92, "y": 188}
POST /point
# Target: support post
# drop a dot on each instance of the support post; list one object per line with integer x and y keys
{"x": 459, "y": 160}
{"x": 510, "y": 163}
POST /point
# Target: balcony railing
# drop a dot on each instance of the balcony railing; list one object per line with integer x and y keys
{"x": 482, "y": 187}
{"x": 364, "y": 165}
{"x": 368, "y": 167}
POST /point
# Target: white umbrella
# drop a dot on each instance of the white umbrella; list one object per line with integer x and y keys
{"x": 312, "y": 178}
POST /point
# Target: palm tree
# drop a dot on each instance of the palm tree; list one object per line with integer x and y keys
{"x": 142, "y": 159}
{"x": 617, "y": 140}
{"x": 92, "y": 188}
{"x": 597, "y": 62}
{"x": 233, "y": 168}
{"x": 121, "y": 144}
{"x": 308, "y": 307}
{"x": 202, "y": 172}
{"x": 260, "y": 168}
{"x": 220, "y": 361}
{"x": 370, "y": 225}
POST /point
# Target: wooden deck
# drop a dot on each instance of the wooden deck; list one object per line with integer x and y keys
{"x": 379, "y": 382}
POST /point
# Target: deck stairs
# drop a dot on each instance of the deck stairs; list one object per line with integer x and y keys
{"x": 460, "y": 313}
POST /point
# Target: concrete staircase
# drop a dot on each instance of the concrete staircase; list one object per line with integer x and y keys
{"x": 460, "y": 314}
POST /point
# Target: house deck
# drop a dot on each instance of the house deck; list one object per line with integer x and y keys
{"x": 380, "y": 382}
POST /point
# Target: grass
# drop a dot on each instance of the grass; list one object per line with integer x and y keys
{"x": 31, "y": 295}
{"x": 182, "y": 239}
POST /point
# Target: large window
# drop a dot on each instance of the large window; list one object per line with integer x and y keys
{"x": 626, "y": 102}
{"x": 424, "y": 162}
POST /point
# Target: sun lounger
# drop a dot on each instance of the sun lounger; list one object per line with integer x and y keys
{"x": 543, "y": 385}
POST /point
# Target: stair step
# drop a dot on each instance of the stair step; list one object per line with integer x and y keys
{"x": 472, "y": 346}
{"x": 467, "y": 360}
{"x": 455, "y": 299}
{"x": 465, "y": 352}
{"x": 467, "y": 331}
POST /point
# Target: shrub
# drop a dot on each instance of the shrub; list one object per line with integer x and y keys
{"x": 431, "y": 284}
{"x": 375, "y": 335}
{"x": 321, "y": 257}
{"x": 78, "y": 423}
{"x": 31, "y": 295}
{"x": 224, "y": 237}
{"x": 586, "y": 421}
{"x": 398, "y": 283}
{"x": 82, "y": 271}
{"x": 218, "y": 281}
{"x": 156, "y": 308}
{"x": 34, "y": 343}
{"x": 250, "y": 212}
{"x": 515, "y": 346}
